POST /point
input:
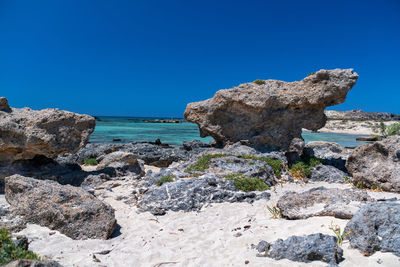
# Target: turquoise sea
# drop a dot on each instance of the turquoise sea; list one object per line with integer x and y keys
{"x": 125, "y": 130}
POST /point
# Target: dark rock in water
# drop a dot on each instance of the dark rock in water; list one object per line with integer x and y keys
{"x": 368, "y": 138}
{"x": 326, "y": 173}
{"x": 32, "y": 263}
{"x": 320, "y": 201}
{"x": 315, "y": 247}
{"x": 117, "y": 139}
{"x": 376, "y": 227}
{"x": 4, "y": 105}
{"x": 192, "y": 194}
{"x": 331, "y": 153}
{"x": 271, "y": 114}
{"x": 377, "y": 165}
{"x": 70, "y": 210}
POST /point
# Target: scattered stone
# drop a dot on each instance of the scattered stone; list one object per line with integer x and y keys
{"x": 376, "y": 227}
{"x": 331, "y": 153}
{"x": 315, "y": 247}
{"x": 376, "y": 165}
{"x": 320, "y": 201}
{"x": 326, "y": 173}
{"x": 189, "y": 194}
{"x": 32, "y": 263}
{"x": 271, "y": 115}
{"x": 70, "y": 210}
{"x": 122, "y": 162}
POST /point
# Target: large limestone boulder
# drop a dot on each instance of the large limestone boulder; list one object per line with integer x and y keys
{"x": 270, "y": 115}
{"x": 377, "y": 165}
{"x": 68, "y": 209}
{"x": 25, "y": 133}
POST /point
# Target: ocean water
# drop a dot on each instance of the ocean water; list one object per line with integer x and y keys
{"x": 126, "y": 130}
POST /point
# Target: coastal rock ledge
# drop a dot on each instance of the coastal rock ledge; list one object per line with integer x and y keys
{"x": 270, "y": 114}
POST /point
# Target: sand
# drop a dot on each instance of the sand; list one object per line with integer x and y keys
{"x": 218, "y": 235}
{"x": 353, "y": 127}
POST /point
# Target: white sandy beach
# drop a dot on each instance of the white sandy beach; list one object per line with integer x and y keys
{"x": 218, "y": 235}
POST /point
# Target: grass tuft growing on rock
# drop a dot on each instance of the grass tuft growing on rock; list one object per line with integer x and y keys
{"x": 275, "y": 164}
{"x": 9, "y": 251}
{"x": 259, "y": 82}
{"x": 247, "y": 183}
{"x": 203, "y": 163}
{"x": 393, "y": 129}
{"x": 165, "y": 179}
{"x": 276, "y": 213}
{"x": 90, "y": 161}
{"x": 302, "y": 169}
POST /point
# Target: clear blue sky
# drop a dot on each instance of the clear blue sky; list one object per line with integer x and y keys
{"x": 150, "y": 58}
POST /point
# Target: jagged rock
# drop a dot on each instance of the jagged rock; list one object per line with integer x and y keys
{"x": 376, "y": 165}
{"x": 4, "y": 105}
{"x": 272, "y": 114}
{"x": 315, "y": 247}
{"x": 193, "y": 193}
{"x": 32, "y": 263}
{"x": 195, "y": 144}
{"x": 326, "y": 173}
{"x": 70, "y": 210}
{"x": 122, "y": 162}
{"x": 375, "y": 227}
{"x": 321, "y": 201}
{"x": 12, "y": 222}
{"x": 26, "y": 133}
{"x": 332, "y": 153}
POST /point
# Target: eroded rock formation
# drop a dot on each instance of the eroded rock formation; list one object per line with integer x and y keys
{"x": 270, "y": 114}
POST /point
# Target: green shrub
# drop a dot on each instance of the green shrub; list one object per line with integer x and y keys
{"x": 259, "y": 82}
{"x": 302, "y": 169}
{"x": 311, "y": 73}
{"x": 275, "y": 164}
{"x": 247, "y": 183}
{"x": 203, "y": 163}
{"x": 90, "y": 161}
{"x": 9, "y": 251}
{"x": 393, "y": 129}
{"x": 165, "y": 179}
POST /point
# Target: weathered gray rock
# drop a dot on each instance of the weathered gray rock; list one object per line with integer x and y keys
{"x": 315, "y": 247}
{"x": 192, "y": 194}
{"x": 33, "y": 263}
{"x": 377, "y": 165}
{"x": 4, "y": 105}
{"x": 326, "y": 173}
{"x": 123, "y": 162}
{"x": 271, "y": 115}
{"x": 321, "y": 201}
{"x": 376, "y": 227}
{"x": 70, "y": 210}
{"x": 331, "y": 153}
{"x": 26, "y": 133}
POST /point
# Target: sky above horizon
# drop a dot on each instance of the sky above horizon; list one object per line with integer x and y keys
{"x": 151, "y": 58}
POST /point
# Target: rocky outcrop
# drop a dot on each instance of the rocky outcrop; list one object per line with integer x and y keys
{"x": 376, "y": 227}
{"x": 357, "y": 115}
{"x": 190, "y": 194}
{"x": 315, "y": 247}
{"x": 70, "y": 210}
{"x": 4, "y": 105}
{"x": 377, "y": 165}
{"x": 320, "y": 201}
{"x": 270, "y": 114}
{"x": 326, "y": 173}
{"x": 122, "y": 162}
{"x": 26, "y": 133}
{"x": 331, "y": 153}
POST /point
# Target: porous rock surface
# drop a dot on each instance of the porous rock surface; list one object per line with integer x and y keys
{"x": 375, "y": 227}
{"x": 270, "y": 115}
{"x": 25, "y": 133}
{"x": 188, "y": 194}
{"x": 314, "y": 247}
{"x": 326, "y": 173}
{"x": 70, "y": 210}
{"x": 377, "y": 165}
{"x": 33, "y": 263}
{"x": 331, "y": 153}
{"x": 321, "y": 201}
